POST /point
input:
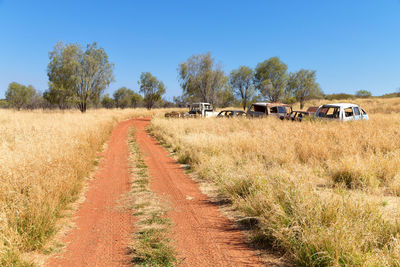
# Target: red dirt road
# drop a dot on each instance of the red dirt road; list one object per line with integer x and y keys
{"x": 203, "y": 237}
{"x": 103, "y": 232}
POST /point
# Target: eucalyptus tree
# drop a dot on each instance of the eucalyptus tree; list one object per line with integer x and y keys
{"x": 151, "y": 88}
{"x": 201, "y": 79}
{"x": 303, "y": 85}
{"x": 123, "y": 97}
{"x": 19, "y": 96}
{"x": 241, "y": 81}
{"x": 79, "y": 75}
{"x": 107, "y": 101}
{"x": 271, "y": 78}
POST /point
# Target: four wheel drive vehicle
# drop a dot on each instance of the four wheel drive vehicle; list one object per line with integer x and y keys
{"x": 231, "y": 114}
{"x": 341, "y": 112}
{"x": 204, "y": 110}
{"x": 263, "y": 109}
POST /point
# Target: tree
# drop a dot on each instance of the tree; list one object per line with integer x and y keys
{"x": 270, "y": 78}
{"x": 201, "y": 79}
{"x": 3, "y": 103}
{"x": 226, "y": 97}
{"x": 151, "y": 88}
{"x": 37, "y": 101}
{"x": 19, "y": 95}
{"x": 107, "y": 101}
{"x": 58, "y": 96}
{"x": 363, "y": 94}
{"x": 180, "y": 101}
{"x": 303, "y": 85}
{"x": 241, "y": 81}
{"x": 136, "y": 100}
{"x": 123, "y": 97}
{"x": 81, "y": 75}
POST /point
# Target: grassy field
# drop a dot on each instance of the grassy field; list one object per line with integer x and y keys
{"x": 326, "y": 193}
{"x": 45, "y": 158}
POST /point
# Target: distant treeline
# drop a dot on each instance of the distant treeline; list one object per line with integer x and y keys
{"x": 78, "y": 78}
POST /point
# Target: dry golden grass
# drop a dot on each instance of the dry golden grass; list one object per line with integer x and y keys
{"x": 325, "y": 192}
{"x": 45, "y": 158}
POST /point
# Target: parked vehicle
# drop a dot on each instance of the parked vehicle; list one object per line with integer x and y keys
{"x": 341, "y": 112}
{"x": 299, "y": 115}
{"x": 263, "y": 109}
{"x": 204, "y": 110}
{"x": 231, "y": 114}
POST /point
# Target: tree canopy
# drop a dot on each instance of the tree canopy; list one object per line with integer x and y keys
{"x": 201, "y": 79}
{"x": 241, "y": 81}
{"x": 151, "y": 88}
{"x": 19, "y": 96}
{"x": 303, "y": 86}
{"x": 271, "y": 78}
{"x": 107, "y": 101}
{"x": 78, "y": 75}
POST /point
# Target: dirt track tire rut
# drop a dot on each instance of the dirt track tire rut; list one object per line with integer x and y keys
{"x": 203, "y": 237}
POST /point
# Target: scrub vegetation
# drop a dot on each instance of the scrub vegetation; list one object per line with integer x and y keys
{"x": 45, "y": 158}
{"x": 326, "y": 193}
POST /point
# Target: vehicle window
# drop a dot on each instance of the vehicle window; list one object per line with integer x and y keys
{"x": 273, "y": 109}
{"x": 207, "y": 107}
{"x": 348, "y": 112}
{"x": 259, "y": 108}
{"x": 281, "y": 110}
{"x": 356, "y": 111}
{"x": 363, "y": 112}
{"x": 329, "y": 112}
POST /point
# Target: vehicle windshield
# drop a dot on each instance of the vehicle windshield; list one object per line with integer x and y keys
{"x": 195, "y": 107}
{"x": 258, "y": 108}
{"x": 278, "y": 109}
{"x": 208, "y": 107}
{"x": 329, "y": 112}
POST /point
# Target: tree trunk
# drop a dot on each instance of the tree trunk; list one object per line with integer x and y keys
{"x": 82, "y": 107}
{"x": 301, "y": 104}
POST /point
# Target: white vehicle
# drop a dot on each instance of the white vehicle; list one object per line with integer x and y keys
{"x": 205, "y": 110}
{"x": 341, "y": 112}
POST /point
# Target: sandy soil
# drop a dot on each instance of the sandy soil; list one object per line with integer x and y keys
{"x": 103, "y": 230}
{"x": 203, "y": 237}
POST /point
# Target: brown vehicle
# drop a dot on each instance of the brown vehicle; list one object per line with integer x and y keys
{"x": 231, "y": 114}
{"x": 299, "y": 115}
{"x": 263, "y": 109}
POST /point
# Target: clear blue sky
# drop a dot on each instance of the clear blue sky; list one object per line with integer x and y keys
{"x": 352, "y": 44}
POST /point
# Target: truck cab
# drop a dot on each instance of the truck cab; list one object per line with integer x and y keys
{"x": 202, "y": 109}
{"x": 262, "y": 109}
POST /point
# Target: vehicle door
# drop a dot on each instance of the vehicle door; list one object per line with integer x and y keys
{"x": 357, "y": 113}
{"x": 348, "y": 114}
{"x": 364, "y": 115}
{"x": 273, "y": 111}
{"x": 282, "y": 111}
